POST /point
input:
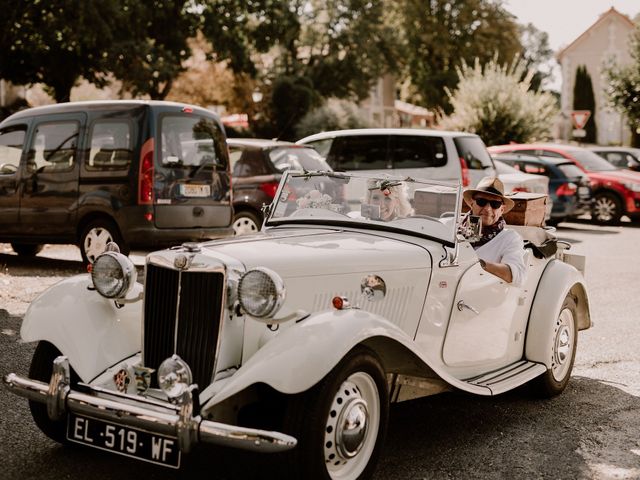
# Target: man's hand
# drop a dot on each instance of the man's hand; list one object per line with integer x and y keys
{"x": 500, "y": 270}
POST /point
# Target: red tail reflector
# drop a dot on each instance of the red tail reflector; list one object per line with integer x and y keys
{"x": 145, "y": 176}
{"x": 187, "y": 110}
{"x": 340, "y": 303}
{"x": 567, "y": 189}
{"x": 270, "y": 188}
{"x": 465, "y": 172}
{"x": 148, "y": 217}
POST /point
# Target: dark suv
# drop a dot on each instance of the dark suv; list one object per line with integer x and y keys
{"x": 139, "y": 173}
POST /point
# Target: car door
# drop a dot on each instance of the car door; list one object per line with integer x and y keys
{"x": 12, "y": 140}
{"x": 487, "y": 324}
{"x": 49, "y": 186}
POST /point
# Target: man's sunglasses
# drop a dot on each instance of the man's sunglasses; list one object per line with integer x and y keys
{"x": 482, "y": 202}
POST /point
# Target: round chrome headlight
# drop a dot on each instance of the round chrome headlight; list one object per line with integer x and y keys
{"x": 261, "y": 292}
{"x": 113, "y": 275}
{"x": 174, "y": 376}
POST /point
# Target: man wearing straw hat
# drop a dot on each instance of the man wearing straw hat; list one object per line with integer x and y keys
{"x": 500, "y": 249}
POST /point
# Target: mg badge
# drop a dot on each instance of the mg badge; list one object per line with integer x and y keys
{"x": 122, "y": 380}
{"x": 181, "y": 262}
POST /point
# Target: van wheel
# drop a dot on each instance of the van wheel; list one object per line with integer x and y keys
{"x": 96, "y": 235}
{"x": 245, "y": 222}
{"x": 27, "y": 249}
{"x": 41, "y": 368}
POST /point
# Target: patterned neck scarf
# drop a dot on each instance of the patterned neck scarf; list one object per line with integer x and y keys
{"x": 489, "y": 232}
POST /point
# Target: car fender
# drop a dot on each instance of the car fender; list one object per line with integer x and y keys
{"x": 89, "y": 329}
{"x": 303, "y": 354}
{"x": 558, "y": 280}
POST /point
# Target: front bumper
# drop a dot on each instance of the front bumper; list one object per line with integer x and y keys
{"x": 154, "y": 416}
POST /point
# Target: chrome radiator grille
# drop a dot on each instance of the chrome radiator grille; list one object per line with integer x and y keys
{"x": 197, "y": 299}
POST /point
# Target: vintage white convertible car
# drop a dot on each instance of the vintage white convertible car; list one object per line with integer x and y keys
{"x": 298, "y": 339}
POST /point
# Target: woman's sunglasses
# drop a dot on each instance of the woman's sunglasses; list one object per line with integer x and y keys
{"x": 482, "y": 202}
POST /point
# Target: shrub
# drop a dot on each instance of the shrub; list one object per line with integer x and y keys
{"x": 335, "y": 115}
{"x": 496, "y": 104}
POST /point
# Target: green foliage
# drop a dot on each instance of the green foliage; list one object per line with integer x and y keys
{"x": 583, "y": 99}
{"x": 500, "y": 107}
{"x": 536, "y": 52}
{"x": 335, "y": 115}
{"x": 624, "y": 88}
{"x": 440, "y": 35}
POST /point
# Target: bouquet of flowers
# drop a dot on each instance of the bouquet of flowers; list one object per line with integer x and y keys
{"x": 314, "y": 199}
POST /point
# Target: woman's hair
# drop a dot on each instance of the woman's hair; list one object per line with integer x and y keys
{"x": 395, "y": 190}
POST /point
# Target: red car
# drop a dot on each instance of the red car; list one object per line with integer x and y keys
{"x": 616, "y": 192}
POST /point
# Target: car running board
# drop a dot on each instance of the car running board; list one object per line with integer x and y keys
{"x": 508, "y": 377}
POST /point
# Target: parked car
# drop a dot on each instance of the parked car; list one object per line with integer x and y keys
{"x": 621, "y": 157}
{"x": 435, "y": 154}
{"x": 137, "y": 173}
{"x": 569, "y": 185}
{"x": 517, "y": 181}
{"x": 256, "y": 169}
{"x": 297, "y": 339}
{"x": 616, "y": 192}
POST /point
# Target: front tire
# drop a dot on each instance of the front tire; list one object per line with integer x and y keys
{"x": 95, "y": 236}
{"x": 563, "y": 352}
{"x": 340, "y": 423}
{"x": 41, "y": 368}
{"x": 607, "y": 208}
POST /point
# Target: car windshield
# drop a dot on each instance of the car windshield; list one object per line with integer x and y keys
{"x": 592, "y": 162}
{"x": 419, "y": 207}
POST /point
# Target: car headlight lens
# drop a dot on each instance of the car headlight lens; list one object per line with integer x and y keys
{"x": 261, "y": 292}
{"x": 634, "y": 187}
{"x": 113, "y": 275}
{"x": 174, "y": 376}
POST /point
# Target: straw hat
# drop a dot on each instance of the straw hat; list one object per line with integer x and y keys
{"x": 489, "y": 186}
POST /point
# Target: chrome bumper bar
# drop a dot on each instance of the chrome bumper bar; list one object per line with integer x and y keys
{"x": 172, "y": 420}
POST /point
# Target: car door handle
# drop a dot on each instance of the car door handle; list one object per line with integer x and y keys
{"x": 461, "y": 306}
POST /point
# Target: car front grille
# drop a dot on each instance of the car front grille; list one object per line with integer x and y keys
{"x": 193, "y": 332}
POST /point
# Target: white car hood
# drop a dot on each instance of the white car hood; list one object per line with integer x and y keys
{"x": 316, "y": 252}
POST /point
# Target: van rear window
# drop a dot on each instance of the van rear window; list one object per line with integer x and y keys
{"x": 192, "y": 143}
{"x": 474, "y": 152}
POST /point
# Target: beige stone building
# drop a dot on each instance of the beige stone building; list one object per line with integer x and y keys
{"x": 605, "y": 41}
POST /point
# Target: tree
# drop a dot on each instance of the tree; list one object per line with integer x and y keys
{"x": 536, "y": 53}
{"x": 56, "y": 42}
{"x": 624, "y": 88}
{"x": 440, "y": 35}
{"x": 500, "y": 107}
{"x": 583, "y": 99}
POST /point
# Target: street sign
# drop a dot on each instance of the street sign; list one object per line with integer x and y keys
{"x": 580, "y": 118}
{"x": 579, "y": 133}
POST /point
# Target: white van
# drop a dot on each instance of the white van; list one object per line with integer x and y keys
{"x": 433, "y": 154}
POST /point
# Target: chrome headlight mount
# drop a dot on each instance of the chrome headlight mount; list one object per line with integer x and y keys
{"x": 113, "y": 275}
{"x": 261, "y": 293}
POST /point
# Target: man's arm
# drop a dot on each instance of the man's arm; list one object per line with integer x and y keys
{"x": 501, "y": 270}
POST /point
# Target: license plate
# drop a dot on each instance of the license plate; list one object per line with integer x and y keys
{"x": 128, "y": 441}
{"x": 195, "y": 190}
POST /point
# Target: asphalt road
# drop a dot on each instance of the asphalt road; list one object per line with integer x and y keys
{"x": 591, "y": 431}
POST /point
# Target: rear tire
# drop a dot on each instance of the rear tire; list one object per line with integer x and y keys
{"x": 41, "y": 368}
{"x": 27, "y": 249}
{"x": 563, "y": 352}
{"x": 246, "y": 222}
{"x": 95, "y": 236}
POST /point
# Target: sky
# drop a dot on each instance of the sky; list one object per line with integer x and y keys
{"x": 565, "y": 20}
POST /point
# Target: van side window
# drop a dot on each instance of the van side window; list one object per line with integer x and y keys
{"x": 110, "y": 146}
{"x": 474, "y": 152}
{"x": 189, "y": 142}
{"x": 362, "y": 152}
{"x": 11, "y": 144}
{"x": 418, "y": 152}
{"x": 53, "y": 148}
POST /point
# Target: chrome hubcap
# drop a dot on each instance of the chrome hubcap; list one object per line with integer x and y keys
{"x": 244, "y": 226}
{"x": 563, "y": 345}
{"x": 604, "y": 208}
{"x": 96, "y": 242}
{"x": 352, "y": 427}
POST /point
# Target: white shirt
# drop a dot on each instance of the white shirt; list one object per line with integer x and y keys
{"x": 507, "y": 247}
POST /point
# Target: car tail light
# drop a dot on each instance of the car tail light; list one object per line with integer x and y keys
{"x": 270, "y": 188}
{"x": 465, "y": 172}
{"x": 145, "y": 178}
{"x": 567, "y": 189}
